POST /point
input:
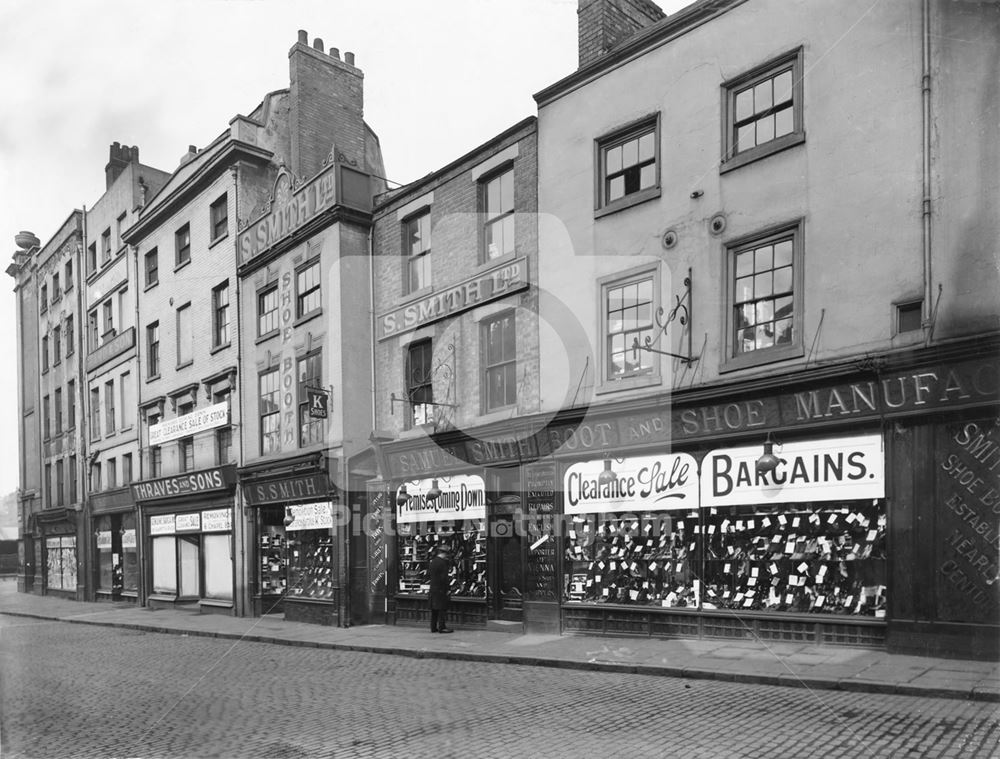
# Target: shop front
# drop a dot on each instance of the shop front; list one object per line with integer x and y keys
{"x": 187, "y": 539}
{"x": 57, "y": 550}
{"x": 298, "y": 535}
{"x": 115, "y": 568}
{"x": 714, "y": 544}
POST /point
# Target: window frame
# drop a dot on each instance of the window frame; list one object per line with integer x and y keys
{"x": 302, "y": 407}
{"x": 607, "y": 384}
{"x": 153, "y": 350}
{"x": 424, "y": 257}
{"x": 730, "y": 88}
{"x": 106, "y": 246}
{"x": 486, "y": 367}
{"x": 44, "y": 351}
{"x": 218, "y": 328}
{"x": 261, "y": 295}
{"x": 649, "y": 123}
{"x": 183, "y": 360}
{"x": 43, "y": 297}
{"x": 56, "y": 345}
{"x": 300, "y": 296}
{"x": 489, "y": 221}
{"x": 70, "y": 404}
{"x": 732, "y": 361}
{"x": 68, "y": 276}
{"x": 276, "y": 413}
{"x": 182, "y": 251}
{"x": 153, "y": 254}
{"x": 214, "y": 220}
{"x": 70, "y": 336}
{"x": 110, "y": 422}
{"x": 185, "y": 451}
{"x": 410, "y": 421}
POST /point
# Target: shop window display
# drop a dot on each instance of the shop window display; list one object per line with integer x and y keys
{"x": 826, "y": 558}
{"x": 468, "y": 571}
{"x": 312, "y": 568}
{"x": 273, "y": 580}
{"x": 130, "y": 555}
{"x": 61, "y": 563}
{"x": 647, "y": 558}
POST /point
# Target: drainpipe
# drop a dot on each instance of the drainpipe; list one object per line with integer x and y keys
{"x": 240, "y": 517}
{"x": 925, "y": 86}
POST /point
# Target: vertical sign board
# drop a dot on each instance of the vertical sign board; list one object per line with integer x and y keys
{"x": 375, "y": 529}
{"x": 967, "y": 521}
{"x": 540, "y": 484}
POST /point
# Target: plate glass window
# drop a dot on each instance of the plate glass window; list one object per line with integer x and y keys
{"x": 498, "y": 195}
{"x": 417, "y": 243}
{"x": 500, "y": 361}
{"x": 419, "y": 386}
{"x": 307, "y": 287}
{"x": 628, "y": 313}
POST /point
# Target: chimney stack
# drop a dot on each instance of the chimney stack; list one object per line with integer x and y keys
{"x": 120, "y": 157}
{"x": 327, "y": 106}
{"x": 604, "y": 24}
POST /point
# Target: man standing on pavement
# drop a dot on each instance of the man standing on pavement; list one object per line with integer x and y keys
{"x": 440, "y": 588}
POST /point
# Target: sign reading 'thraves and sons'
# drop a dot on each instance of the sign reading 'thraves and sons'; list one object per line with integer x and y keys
{"x": 462, "y": 497}
{"x": 833, "y": 469}
{"x": 642, "y": 483}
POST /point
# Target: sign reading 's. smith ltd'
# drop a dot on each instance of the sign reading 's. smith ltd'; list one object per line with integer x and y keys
{"x": 494, "y": 283}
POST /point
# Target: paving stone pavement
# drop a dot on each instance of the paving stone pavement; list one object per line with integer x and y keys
{"x": 775, "y": 663}
{"x": 69, "y": 691}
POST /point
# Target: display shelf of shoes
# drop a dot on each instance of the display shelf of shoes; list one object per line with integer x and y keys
{"x": 273, "y": 579}
{"x": 819, "y": 558}
{"x": 469, "y": 555}
{"x": 649, "y": 558}
{"x": 311, "y": 570}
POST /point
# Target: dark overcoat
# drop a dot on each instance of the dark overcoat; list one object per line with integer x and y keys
{"x": 438, "y": 575}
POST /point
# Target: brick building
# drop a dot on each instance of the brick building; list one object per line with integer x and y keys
{"x": 456, "y": 361}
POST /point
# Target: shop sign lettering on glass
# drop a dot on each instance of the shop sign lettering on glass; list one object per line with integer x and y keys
{"x": 462, "y": 497}
{"x": 216, "y": 520}
{"x": 817, "y": 470}
{"x": 187, "y": 522}
{"x": 161, "y": 524}
{"x": 642, "y": 483}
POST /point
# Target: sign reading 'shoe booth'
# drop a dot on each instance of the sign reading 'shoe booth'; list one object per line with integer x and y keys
{"x": 641, "y": 483}
{"x": 462, "y": 497}
{"x": 833, "y": 469}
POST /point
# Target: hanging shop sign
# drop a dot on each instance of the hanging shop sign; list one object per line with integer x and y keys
{"x": 288, "y": 212}
{"x": 299, "y": 488}
{"x": 310, "y": 516}
{"x": 494, "y": 283}
{"x": 318, "y": 402}
{"x": 190, "y": 424}
{"x": 161, "y": 524}
{"x": 829, "y": 469}
{"x": 641, "y": 483}
{"x": 193, "y": 483}
{"x": 217, "y": 520}
{"x": 462, "y": 497}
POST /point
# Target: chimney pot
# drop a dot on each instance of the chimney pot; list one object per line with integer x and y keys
{"x": 303, "y": 36}
{"x": 349, "y": 59}
{"x": 192, "y": 149}
{"x": 318, "y": 44}
{"x": 335, "y": 53}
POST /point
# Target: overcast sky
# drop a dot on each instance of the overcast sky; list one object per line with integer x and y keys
{"x": 441, "y": 77}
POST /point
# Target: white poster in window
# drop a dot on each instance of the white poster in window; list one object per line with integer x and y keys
{"x": 640, "y": 483}
{"x": 310, "y": 516}
{"x": 128, "y": 539}
{"x": 189, "y": 424}
{"x": 104, "y": 540}
{"x": 162, "y": 524}
{"x": 217, "y": 520}
{"x": 463, "y": 497}
{"x": 187, "y": 522}
{"x": 831, "y": 469}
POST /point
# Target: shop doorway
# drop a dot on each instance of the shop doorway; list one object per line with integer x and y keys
{"x": 505, "y": 566}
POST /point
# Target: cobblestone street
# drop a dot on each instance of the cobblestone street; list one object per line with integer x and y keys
{"x": 80, "y": 691}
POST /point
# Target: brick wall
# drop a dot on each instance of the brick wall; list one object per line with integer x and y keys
{"x": 456, "y": 231}
{"x": 603, "y": 24}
